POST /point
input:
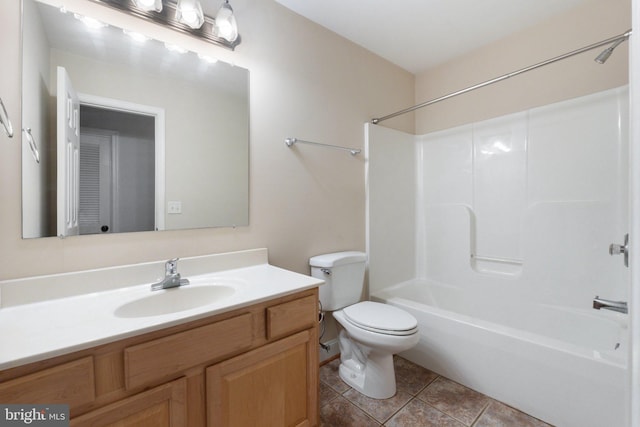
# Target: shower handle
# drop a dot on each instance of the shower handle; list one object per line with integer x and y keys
{"x": 616, "y": 249}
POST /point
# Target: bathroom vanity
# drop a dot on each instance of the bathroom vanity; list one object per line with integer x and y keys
{"x": 251, "y": 360}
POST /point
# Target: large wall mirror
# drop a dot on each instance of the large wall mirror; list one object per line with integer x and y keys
{"x": 123, "y": 134}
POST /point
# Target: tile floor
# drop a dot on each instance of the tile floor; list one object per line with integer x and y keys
{"x": 423, "y": 399}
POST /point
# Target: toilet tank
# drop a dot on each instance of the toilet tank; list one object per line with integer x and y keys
{"x": 343, "y": 273}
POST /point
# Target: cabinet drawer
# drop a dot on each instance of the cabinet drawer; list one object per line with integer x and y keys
{"x": 167, "y": 357}
{"x": 70, "y": 383}
{"x": 286, "y": 318}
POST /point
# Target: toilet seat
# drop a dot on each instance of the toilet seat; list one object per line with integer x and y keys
{"x": 381, "y": 318}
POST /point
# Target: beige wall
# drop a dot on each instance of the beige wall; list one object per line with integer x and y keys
{"x": 305, "y": 82}
{"x": 580, "y": 75}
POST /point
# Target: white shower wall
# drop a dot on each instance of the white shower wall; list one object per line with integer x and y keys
{"x": 391, "y": 205}
{"x": 525, "y": 205}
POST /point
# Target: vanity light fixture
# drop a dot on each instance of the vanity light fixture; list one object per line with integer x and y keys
{"x": 189, "y": 12}
{"x": 148, "y": 5}
{"x": 185, "y": 16}
{"x": 226, "y": 26}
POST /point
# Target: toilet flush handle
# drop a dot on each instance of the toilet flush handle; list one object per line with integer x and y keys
{"x": 326, "y": 271}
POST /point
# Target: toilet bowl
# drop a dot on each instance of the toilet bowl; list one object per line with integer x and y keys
{"x": 371, "y": 332}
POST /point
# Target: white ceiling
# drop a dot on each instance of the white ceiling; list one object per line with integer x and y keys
{"x": 419, "y": 34}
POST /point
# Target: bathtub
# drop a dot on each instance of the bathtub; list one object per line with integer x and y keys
{"x": 565, "y": 366}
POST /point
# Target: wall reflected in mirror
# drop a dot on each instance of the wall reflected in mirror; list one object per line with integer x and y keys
{"x": 162, "y": 134}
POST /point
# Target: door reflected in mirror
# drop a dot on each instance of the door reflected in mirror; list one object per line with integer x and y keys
{"x": 116, "y": 148}
{"x": 162, "y": 136}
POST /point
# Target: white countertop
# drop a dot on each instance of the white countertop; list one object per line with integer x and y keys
{"x": 40, "y": 330}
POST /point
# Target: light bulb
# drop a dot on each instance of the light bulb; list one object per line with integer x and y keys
{"x": 189, "y": 12}
{"x": 149, "y": 5}
{"x": 226, "y": 26}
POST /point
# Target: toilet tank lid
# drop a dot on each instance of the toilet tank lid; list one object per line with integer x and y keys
{"x": 337, "y": 258}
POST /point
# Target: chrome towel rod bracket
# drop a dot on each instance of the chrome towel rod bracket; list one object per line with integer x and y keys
{"x": 291, "y": 141}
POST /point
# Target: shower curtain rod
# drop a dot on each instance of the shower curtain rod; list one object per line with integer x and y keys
{"x": 610, "y": 40}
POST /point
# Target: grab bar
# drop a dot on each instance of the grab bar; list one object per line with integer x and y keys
{"x": 4, "y": 120}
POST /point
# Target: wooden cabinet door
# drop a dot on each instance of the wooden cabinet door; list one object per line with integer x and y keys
{"x": 162, "y": 406}
{"x": 272, "y": 386}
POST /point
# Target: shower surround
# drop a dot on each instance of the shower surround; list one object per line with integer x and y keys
{"x": 495, "y": 236}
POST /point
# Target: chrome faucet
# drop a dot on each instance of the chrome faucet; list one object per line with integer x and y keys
{"x": 171, "y": 277}
{"x": 605, "y": 304}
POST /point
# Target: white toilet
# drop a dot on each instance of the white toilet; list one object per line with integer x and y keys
{"x": 373, "y": 332}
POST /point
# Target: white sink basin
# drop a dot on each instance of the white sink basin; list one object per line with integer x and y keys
{"x": 174, "y": 300}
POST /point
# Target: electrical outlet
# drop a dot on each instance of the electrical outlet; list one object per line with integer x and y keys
{"x": 174, "y": 208}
